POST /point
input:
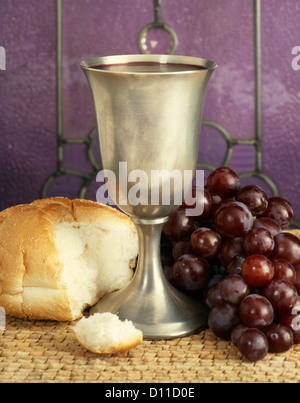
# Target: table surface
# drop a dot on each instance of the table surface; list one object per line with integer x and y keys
{"x": 42, "y": 352}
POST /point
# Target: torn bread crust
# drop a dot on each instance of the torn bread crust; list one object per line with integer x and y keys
{"x": 58, "y": 257}
{"x": 122, "y": 348}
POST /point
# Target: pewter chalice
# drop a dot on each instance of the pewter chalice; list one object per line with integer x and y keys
{"x": 149, "y": 112}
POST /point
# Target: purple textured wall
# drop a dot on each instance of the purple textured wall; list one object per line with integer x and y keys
{"x": 27, "y": 99}
{"x": 222, "y": 30}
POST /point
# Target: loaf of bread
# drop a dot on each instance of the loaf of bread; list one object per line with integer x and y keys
{"x": 58, "y": 257}
{"x": 106, "y": 334}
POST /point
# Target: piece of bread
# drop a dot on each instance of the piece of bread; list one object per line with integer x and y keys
{"x": 106, "y": 334}
{"x": 58, "y": 257}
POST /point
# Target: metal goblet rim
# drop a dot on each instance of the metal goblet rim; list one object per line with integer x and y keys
{"x": 110, "y": 60}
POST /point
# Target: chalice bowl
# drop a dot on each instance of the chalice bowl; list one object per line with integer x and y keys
{"x": 149, "y": 113}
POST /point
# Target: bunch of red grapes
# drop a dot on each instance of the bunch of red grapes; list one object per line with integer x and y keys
{"x": 237, "y": 258}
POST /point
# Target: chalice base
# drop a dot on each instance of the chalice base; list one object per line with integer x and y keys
{"x": 154, "y": 306}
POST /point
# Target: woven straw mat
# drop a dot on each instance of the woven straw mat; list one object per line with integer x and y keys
{"x": 40, "y": 352}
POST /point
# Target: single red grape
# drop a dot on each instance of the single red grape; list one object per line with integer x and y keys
{"x": 253, "y": 345}
{"x": 206, "y": 242}
{"x": 259, "y": 241}
{"x": 281, "y": 210}
{"x": 191, "y": 273}
{"x": 280, "y": 338}
{"x": 257, "y": 270}
{"x": 224, "y": 182}
{"x": 233, "y": 220}
{"x": 222, "y": 319}
{"x": 256, "y": 311}
{"x": 282, "y": 295}
{"x": 284, "y": 270}
{"x": 287, "y": 247}
{"x": 234, "y": 289}
{"x": 254, "y": 197}
{"x": 178, "y": 226}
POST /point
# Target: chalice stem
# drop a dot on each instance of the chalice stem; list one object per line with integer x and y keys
{"x": 149, "y": 273}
